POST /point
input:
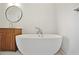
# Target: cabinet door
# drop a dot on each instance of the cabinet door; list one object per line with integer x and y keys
{"x": 2, "y": 41}
{"x": 8, "y": 39}
{"x": 1, "y": 34}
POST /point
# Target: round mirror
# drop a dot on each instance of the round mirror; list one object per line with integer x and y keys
{"x": 13, "y": 14}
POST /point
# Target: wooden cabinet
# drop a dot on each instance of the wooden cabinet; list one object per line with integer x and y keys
{"x": 8, "y": 38}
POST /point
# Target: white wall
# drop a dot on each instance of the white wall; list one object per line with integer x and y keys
{"x": 68, "y": 26}
{"x": 40, "y": 15}
{"x": 34, "y": 15}
{"x": 3, "y": 22}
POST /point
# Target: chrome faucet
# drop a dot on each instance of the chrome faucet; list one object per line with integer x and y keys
{"x": 39, "y": 31}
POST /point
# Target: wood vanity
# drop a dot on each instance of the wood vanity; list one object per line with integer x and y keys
{"x": 8, "y": 38}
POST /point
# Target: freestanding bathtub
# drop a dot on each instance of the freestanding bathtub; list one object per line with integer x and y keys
{"x": 32, "y": 44}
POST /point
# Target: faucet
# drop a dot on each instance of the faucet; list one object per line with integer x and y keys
{"x": 39, "y": 31}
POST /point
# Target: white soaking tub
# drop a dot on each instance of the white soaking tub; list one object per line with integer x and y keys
{"x": 32, "y": 44}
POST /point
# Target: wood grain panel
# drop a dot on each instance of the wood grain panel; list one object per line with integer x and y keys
{"x": 8, "y": 38}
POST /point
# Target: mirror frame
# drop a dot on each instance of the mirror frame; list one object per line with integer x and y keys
{"x": 17, "y": 19}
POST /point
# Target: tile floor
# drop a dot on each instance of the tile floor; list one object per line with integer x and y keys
{"x": 17, "y": 53}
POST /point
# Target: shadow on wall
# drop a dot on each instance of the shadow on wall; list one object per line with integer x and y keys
{"x": 65, "y": 43}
